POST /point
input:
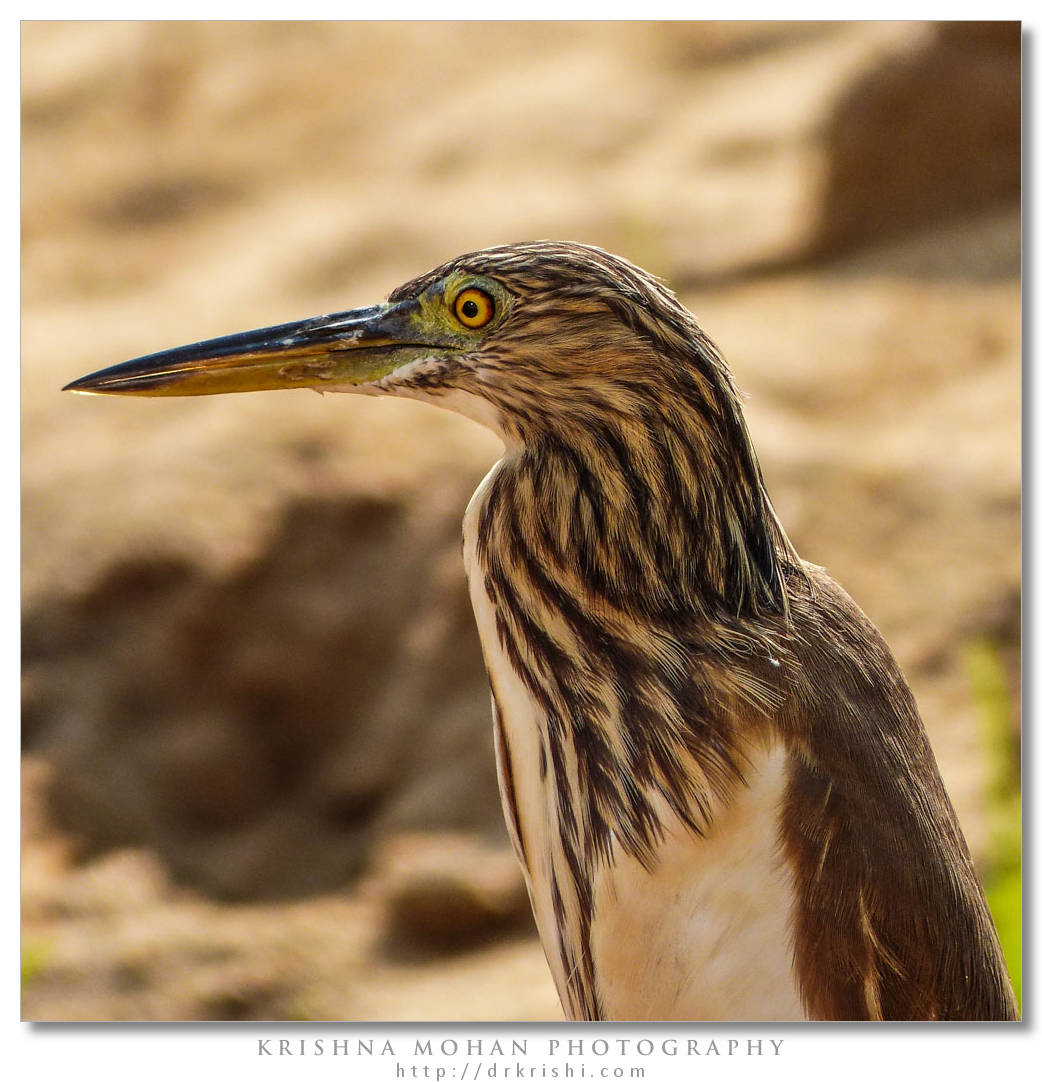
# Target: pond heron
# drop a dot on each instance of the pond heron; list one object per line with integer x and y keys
{"x": 713, "y": 773}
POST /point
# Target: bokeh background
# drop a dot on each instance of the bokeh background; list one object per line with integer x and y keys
{"x": 258, "y": 775}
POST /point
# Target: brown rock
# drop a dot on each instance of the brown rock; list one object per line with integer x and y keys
{"x": 447, "y": 892}
{"x": 923, "y": 135}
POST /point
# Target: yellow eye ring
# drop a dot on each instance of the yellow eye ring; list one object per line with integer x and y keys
{"x": 474, "y": 308}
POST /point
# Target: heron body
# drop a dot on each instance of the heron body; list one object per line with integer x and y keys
{"x": 737, "y": 963}
{"x": 713, "y": 773}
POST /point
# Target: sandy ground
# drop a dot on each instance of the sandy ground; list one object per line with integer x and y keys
{"x": 258, "y": 780}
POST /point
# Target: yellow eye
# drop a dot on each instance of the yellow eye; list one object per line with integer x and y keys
{"x": 474, "y": 308}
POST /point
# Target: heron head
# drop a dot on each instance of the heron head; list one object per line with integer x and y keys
{"x": 558, "y": 348}
{"x": 523, "y": 338}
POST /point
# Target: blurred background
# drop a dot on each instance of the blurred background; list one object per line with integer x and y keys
{"x": 258, "y": 777}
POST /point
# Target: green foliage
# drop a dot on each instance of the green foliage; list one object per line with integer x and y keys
{"x": 35, "y": 955}
{"x": 1002, "y": 879}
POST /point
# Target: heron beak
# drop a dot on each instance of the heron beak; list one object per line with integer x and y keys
{"x": 352, "y": 348}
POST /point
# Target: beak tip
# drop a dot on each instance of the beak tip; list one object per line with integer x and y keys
{"x": 80, "y": 386}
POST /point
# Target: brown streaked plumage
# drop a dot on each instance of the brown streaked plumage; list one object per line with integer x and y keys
{"x": 714, "y": 775}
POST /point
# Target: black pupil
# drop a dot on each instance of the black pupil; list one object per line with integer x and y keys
{"x": 470, "y": 309}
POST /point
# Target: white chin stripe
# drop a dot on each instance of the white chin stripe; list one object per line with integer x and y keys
{"x": 397, "y": 384}
{"x": 461, "y": 402}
